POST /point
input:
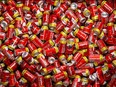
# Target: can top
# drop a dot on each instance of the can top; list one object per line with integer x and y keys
{"x": 104, "y": 49}
{"x": 76, "y": 46}
{"x": 45, "y": 71}
{"x": 26, "y": 8}
{"x": 1, "y": 18}
{"x": 77, "y": 76}
{"x": 103, "y": 2}
{"x": 11, "y": 26}
{"x": 51, "y": 42}
{"x": 110, "y": 24}
{"x": 63, "y": 33}
{"x": 63, "y": 41}
{"x": 27, "y": 49}
{"x": 44, "y": 27}
{"x": 39, "y": 55}
{"x": 85, "y": 58}
{"x": 8, "y": 68}
{"x": 114, "y": 62}
{"x": 114, "y": 12}
{"x": 65, "y": 73}
{"x": 76, "y": 31}
{"x": 56, "y": 48}
{"x": 47, "y": 76}
{"x": 24, "y": 71}
{"x": 19, "y": 5}
{"x": 59, "y": 83}
{"x": 32, "y": 37}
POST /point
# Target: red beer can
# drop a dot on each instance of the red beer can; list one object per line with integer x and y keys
{"x": 29, "y": 76}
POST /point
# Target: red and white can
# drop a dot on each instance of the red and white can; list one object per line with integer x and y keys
{"x": 59, "y": 76}
{"x": 51, "y": 51}
{"x": 80, "y": 34}
{"x": 46, "y": 16}
{"x": 12, "y": 67}
{"x": 36, "y": 41}
{"x": 102, "y": 46}
{"x": 48, "y": 81}
{"x": 107, "y": 7}
{"x": 12, "y": 80}
{"x": 42, "y": 60}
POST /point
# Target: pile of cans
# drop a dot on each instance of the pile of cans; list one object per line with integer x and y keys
{"x": 58, "y": 43}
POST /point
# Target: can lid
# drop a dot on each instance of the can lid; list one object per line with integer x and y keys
{"x": 39, "y": 22}
{"x": 76, "y": 31}
{"x": 44, "y": 27}
{"x": 76, "y": 40}
{"x": 96, "y": 30}
{"x": 2, "y": 64}
{"x": 95, "y": 18}
{"x": 11, "y": 26}
{"x": 95, "y": 63}
{"x": 85, "y": 58}
{"x": 65, "y": 73}
{"x": 38, "y": 15}
{"x": 26, "y": 8}
{"x": 34, "y": 52}
{"x": 4, "y": 47}
{"x": 1, "y": 18}
{"x": 18, "y": 18}
{"x": 12, "y": 22}
{"x": 98, "y": 6}
{"x": 104, "y": 49}
{"x": 39, "y": 55}
{"x": 27, "y": 49}
{"x": 45, "y": 71}
{"x": 69, "y": 58}
{"x": 101, "y": 57}
{"x": 62, "y": 56}
{"x": 77, "y": 76}
{"x": 32, "y": 37}
{"x": 19, "y": 60}
{"x": 56, "y": 48}
{"x": 26, "y": 35}
{"x": 110, "y": 24}
{"x": 101, "y": 35}
{"x": 64, "y": 34}
{"x": 86, "y": 12}
{"x": 91, "y": 46}
{"x": 16, "y": 14}
{"x": 28, "y": 24}
{"x": 63, "y": 41}
{"x": 19, "y": 5}
{"x": 47, "y": 76}
{"x": 76, "y": 46}
{"x": 39, "y": 49}
{"x": 60, "y": 83}
{"x": 23, "y": 80}
{"x": 70, "y": 41}
{"x": 103, "y": 2}
{"x": 114, "y": 12}
{"x": 85, "y": 80}
{"x": 11, "y": 47}
{"x": 9, "y": 69}
{"x": 87, "y": 72}
{"x": 114, "y": 62}
{"x": 89, "y": 21}
{"x": 4, "y": 83}
{"x": 24, "y": 71}
{"x": 105, "y": 68}
{"x": 52, "y": 25}
{"x": 51, "y": 42}
{"x": 56, "y": 2}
